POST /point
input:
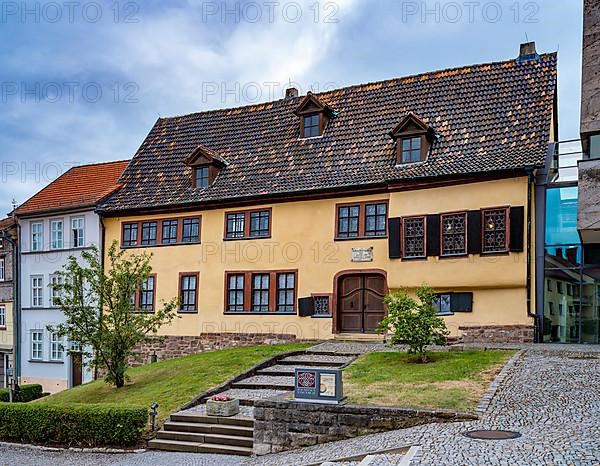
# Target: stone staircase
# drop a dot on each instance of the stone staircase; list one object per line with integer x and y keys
{"x": 191, "y": 430}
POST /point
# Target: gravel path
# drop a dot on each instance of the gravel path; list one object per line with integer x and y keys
{"x": 551, "y": 396}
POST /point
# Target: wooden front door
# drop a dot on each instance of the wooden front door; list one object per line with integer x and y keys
{"x": 76, "y": 374}
{"x": 360, "y": 302}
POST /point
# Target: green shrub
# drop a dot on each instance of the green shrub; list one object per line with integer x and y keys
{"x": 84, "y": 425}
{"x": 26, "y": 393}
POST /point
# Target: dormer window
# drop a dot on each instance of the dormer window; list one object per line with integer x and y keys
{"x": 202, "y": 178}
{"x": 311, "y": 125}
{"x": 411, "y": 149}
{"x": 205, "y": 165}
{"x": 413, "y": 139}
{"x": 313, "y": 115}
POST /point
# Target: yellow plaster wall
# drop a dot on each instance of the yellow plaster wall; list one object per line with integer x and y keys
{"x": 302, "y": 239}
{"x": 6, "y": 334}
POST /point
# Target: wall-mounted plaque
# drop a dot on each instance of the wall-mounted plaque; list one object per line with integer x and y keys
{"x": 362, "y": 254}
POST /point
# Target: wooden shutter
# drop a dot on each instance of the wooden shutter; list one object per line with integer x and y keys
{"x": 306, "y": 307}
{"x": 394, "y": 243}
{"x": 474, "y": 232}
{"x": 461, "y": 302}
{"x": 433, "y": 235}
{"x": 517, "y": 224}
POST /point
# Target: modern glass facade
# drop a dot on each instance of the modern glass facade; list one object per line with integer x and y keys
{"x": 571, "y": 283}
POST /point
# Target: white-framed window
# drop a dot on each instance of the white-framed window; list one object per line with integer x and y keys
{"x": 3, "y": 316}
{"x": 37, "y": 236}
{"x": 77, "y": 231}
{"x": 2, "y": 269}
{"x": 56, "y": 234}
{"x": 56, "y": 347}
{"x": 55, "y": 294}
{"x": 36, "y": 344}
{"x": 37, "y": 291}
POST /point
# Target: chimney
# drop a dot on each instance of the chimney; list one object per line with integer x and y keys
{"x": 528, "y": 52}
{"x": 290, "y": 93}
{"x": 590, "y": 78}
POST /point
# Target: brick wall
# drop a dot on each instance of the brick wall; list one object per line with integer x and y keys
{"x": 171, "y": 346}
{"x": 497, "y": 334}
{"x": 286, "y": 425}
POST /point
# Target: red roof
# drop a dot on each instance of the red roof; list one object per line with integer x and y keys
{"x": 80, "y": 186}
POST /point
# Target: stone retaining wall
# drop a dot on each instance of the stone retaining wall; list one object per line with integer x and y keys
{"x": 287, "y": 425}
{"x": 170, "y": 346}
{"x": 497, "y": 334}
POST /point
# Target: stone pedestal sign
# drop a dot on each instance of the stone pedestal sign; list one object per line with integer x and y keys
{"x": 318, "y": 385}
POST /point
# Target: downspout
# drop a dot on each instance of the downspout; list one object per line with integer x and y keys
{"x": 101, "y": 252}
{"x": 536, "y": 329}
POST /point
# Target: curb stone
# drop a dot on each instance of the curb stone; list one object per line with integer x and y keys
{"x": 500, "y": 378}
{"x": 29, "y": 446}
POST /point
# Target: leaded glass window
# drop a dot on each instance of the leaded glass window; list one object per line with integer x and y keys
{"x": 414, "y": 237}
{"x": 494, "y": 230}
{"x": 321, "y": 305}
{"x": 454, "y": 238}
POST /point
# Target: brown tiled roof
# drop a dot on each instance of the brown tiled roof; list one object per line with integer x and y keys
{"x": 490, "y": 117}
{"x": 80, "y": 186}
{"x": 6, "y": 223}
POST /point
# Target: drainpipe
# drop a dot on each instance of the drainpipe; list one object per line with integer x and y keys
{"x": 101, "y": 252}
{"x": 536, "y": 329}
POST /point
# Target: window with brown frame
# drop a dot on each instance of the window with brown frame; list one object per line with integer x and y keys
{"x": 248, "y": 224}
{"x": 261, "y": 292}
{"x": 311, "y": 125}
{"x": 454, "y": 234}
{"x": 160, "y": 232}
{"x": 202, "y": 177}
{"x": 412, "y": 149}
{"x": 361, "y": 220}
{"x": 188, "y": 292}
{"x": 495, "y": 231}
{"x": 413, "y": 237}
{"x": 146, "y": 294}
{"x": 321, "y": 304}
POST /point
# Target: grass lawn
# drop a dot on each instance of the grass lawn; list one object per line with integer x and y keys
{"x": 453, "y": 380}
{"x": 174, "y": 382}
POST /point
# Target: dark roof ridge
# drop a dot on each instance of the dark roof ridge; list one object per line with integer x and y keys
{"x": 350, "y": 87}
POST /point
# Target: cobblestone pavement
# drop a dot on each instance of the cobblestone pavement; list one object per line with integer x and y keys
{"x": 551, "y": 396}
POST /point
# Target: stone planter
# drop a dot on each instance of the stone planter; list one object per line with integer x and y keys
{"x": 222, "y": 408}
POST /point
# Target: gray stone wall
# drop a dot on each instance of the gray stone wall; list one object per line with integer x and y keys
{"x": 172, "y": 346}
{"x": 590, "y": 93}
{"x": 497, "y": 334}
{"x": 6, "y": 287}
{"x": 287, "y": 425}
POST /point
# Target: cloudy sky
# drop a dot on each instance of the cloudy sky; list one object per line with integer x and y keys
{"x": 84, "y": 82}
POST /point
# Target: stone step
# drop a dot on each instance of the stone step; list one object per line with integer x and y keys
{"x": 247, "y": 396}
{"x": 287, "y": 370}
{"x": 182, "y": 416}
{"x": 208, "y": 428}
{"x": 193, "y": 447}
{"x": 272, "y": 382}
{"x": 311, "y": 360}
{"x": 234, "y": 440}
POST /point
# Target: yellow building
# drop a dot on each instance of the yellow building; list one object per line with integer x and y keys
{"x": 294, "y": 218}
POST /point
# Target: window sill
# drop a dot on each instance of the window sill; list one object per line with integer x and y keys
{"x": 2, "y": 327}
{"x": 416, "y": 258}
{"x": 187, "y": 312}
{"x": 321, "y": 316}
{"x": 246, "y": 238}
{"x": 444, "y": 314}
{"x": 495, "y": 253}
{"x": 454, "y": 256}
{"x": 250, "y": 313}
{"x": 360, "y": 238}
{"x": 146, "y": 246}
{"x": 42, "y": 361}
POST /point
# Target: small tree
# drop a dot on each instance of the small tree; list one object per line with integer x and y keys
{"x": 101, "y": 312}
{"x": 414, "y": 323}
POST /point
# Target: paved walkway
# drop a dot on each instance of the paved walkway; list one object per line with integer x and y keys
{"x": 551, "y": 396}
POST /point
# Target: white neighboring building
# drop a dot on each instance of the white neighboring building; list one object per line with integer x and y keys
{"x": 58, "y": 222}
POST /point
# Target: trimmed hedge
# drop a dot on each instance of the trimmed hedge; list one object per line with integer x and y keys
{"x": 26, "y": 393}
{"x": 84, "y": 425}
